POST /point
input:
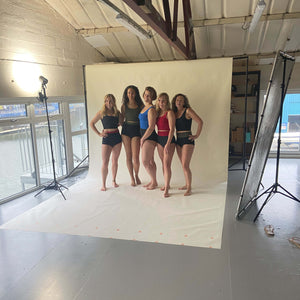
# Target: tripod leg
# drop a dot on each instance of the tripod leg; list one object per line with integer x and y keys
{"x": 58, "y": 187}
{"x": 265, "y": 202}
{"x": 289, "y": 194}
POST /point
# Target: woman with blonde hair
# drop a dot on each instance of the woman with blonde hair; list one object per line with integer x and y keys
{"x": 147, "y": 119}
{"x": 165, "y": 140}
{"x": 111, "y": 138}
{"x": 185, "y": 139}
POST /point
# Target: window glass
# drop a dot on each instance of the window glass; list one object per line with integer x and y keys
{"x": 290, "y": 128}
{"x": 12, "y": 111}
{"x": 80, "y": 147}
{"x": 44, "y": 149}
{"x": 17, "y": 172}
{"x": 77, "y": 116}
{"x": 40, "y": 109}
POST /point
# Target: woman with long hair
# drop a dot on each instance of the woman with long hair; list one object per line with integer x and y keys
{"x": 130, "y": 109}
{"x": 147, "y": 119}
{"x": 185, "y": 139}
{"x": 111, "y": 138}
{"x": 165, "y": 137}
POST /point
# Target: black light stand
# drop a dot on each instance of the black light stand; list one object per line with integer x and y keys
{"x": 244, "y": 156}
{"x": 54, "y": 185}
{"x": 273, "y": 189}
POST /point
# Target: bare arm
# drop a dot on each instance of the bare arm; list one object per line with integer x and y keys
{"x": 97, "y": 117}
{"x": 121, "y": 119}
{"x": 192, "y": 114}
{"x": 151, "y": 122}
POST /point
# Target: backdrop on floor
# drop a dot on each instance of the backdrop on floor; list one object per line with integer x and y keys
{"x": 134, "y": 213}
{"x": 272, "y": 110}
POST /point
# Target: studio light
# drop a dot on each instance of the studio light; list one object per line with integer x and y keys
{"x": 257, "y": 14}
{"x": 133, "y": 27}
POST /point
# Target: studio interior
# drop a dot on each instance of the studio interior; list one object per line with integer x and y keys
{"x": 219, "y": 218}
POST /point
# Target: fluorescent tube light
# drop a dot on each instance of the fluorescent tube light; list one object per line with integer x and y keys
{"x": 133, "y": 27}
{"x": 257, "y": 14}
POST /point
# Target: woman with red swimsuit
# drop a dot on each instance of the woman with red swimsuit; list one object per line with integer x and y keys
{"x": 165, "y": 139}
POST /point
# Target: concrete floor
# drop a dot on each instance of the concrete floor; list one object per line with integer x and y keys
{"x": 250, "y": 264}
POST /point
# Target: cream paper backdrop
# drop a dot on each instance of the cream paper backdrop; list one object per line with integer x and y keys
{"x": 207, "y": 84}
{"x": 132, "y": 213}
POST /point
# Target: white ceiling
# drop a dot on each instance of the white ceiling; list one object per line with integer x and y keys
{"x": 217, "y": 28}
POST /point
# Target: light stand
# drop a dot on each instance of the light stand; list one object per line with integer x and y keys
{"x": 273, "y": 189}
{"x": 54, "y": 184}
{"x": 244, "y": 158}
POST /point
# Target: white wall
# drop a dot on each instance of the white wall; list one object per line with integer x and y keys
{"x": 30, "y": 30}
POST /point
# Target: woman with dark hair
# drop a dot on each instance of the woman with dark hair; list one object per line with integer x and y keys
{"x": 147, "y": 119}
{"x": 111, "y": 142}
{"x": 185, "y": 140}
{"x": 130, "y": 109}
{"x": 165, "y": 140}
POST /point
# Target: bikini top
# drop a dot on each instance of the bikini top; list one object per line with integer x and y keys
{"x": 110, "y": 122}
{"x": 182, "y": 123}
{"x": 132, "y": 114}
{"x": 143, "y": 117}
{"x": 162, "y": 122}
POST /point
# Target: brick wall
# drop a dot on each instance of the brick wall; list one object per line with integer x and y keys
{"x": 30, "y": 30}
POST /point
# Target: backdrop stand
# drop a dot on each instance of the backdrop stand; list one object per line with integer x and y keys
{"x": 273, "y": 189}
{"x": 77, "y": 167}
{"x": 54, "y": 184}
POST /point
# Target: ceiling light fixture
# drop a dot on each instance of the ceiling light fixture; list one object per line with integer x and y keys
{"x": 133, "y": 27}
{"x": 257, "y": 14}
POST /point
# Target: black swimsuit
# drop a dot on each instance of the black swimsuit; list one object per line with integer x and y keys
{"x": 113, "y": 138}
{"x": 183, "y": 124}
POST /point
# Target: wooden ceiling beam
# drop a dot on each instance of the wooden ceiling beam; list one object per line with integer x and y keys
{"x": 145, "y": 10}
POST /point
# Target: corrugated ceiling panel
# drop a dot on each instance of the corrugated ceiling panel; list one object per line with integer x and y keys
{"x": 94, "y": 11}
{"x": 234, "y": 39}
{"x": 78, "y": 13}
{"x": 213, "y": 9}
{"x": 201, "y": 42}
{"x": 271, "y": 35}
{"x": 236, "y": 8}
{"x": 214, "y": 40}
{"x": 278, "y": 6}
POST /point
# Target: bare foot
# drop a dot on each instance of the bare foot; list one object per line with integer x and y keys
{"x": 133, "y": 182}
{"x": 137, "y": 179}
{"x": 162, "y": 188}
{"x": 115, "y": 184}
{"x": 103, "y": 189}
{"x": 166, "y": 194}
{"x": 151, "y": 186}
{"x": 146, "y": 185}
{"x": 188, "y": 192}
{"x": 183, "y": 187}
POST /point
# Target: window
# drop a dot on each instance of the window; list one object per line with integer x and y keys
{"x": 25, "y": 145}
{"x": 290, "y": 128}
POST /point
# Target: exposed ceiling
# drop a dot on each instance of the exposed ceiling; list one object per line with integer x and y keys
{"x": 217, "y": 24}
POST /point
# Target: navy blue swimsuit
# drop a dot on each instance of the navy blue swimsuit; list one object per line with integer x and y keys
{"x": 113, "y": 138}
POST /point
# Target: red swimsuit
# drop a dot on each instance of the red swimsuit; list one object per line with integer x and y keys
{"x": 163, "y": 125}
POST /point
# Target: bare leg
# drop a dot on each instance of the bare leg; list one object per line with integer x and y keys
{"x": 106, "y": 150}
{"x": 127, "y": 145}
{"x": 135, "y": 146}
{"x": 115, "y": 153}
{"x": 160, "y": 150}
{"x": 187, "y": 152}
{"x": 149, "y": 163}
{"x": 179, "y": 152}
{"x": 167, "y": 169}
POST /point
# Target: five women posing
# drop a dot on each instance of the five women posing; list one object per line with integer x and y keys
{"x": 138, "y": 122}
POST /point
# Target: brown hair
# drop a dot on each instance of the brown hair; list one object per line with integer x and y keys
{"x": 186, "y": 102}
{"x": 152, "y": 92}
